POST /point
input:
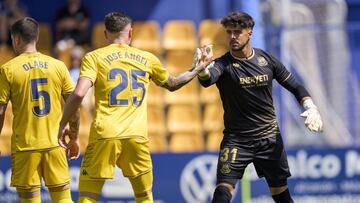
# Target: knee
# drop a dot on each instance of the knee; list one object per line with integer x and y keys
{"x": 28, "y": 193}
{"x": 222, "y": 194}
{"x": 59, "y": 188}
{"x": 144, "y": 197}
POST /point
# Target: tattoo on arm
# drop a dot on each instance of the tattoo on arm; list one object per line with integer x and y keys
{"x": 176, "y": 82}
{"x": 74, "y": 121}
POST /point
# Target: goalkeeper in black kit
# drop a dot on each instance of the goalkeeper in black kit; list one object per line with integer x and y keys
{"x": 244, "y": 78}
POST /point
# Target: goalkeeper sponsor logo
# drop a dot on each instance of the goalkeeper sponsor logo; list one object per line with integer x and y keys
{"x": 259, "y": 80}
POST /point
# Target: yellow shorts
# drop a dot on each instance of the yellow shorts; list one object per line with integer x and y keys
{"x": 29, "y": 166}
{"x": 131, "y": 155}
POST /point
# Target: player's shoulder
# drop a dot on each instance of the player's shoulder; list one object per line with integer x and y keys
{"x": 14, "y": 62}
{"x": 263, "y": 56}
{"x": 95, "y": 51}
{"x": 143, "y": 53}
{"x": 261, "y": 52}
{"x": 8, "y": 63}
{"x": 50, "y": 58}
{"x": 146, "y": 55}
{"x": 53, "y": 61}
{"x": 98, "y": 53}
{"x": 223, "y": 60}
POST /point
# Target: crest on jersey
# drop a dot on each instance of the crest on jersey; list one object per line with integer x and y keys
{"x": 225, "y": 169}
{"x": 262, "y": 61}
{"x": 236, "y": 65}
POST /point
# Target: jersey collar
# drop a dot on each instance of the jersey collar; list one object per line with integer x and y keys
{"x": 242, "y": 59}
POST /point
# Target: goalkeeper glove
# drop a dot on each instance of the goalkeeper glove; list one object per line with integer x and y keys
{"x": 312, "y": 116}
{"x": 206, "y": 73}
{"x": 196, "y": 57}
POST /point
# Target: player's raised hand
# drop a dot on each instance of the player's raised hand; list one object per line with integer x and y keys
{"x": 196, "y": 57}
{"x": 312, "y": 116}
{"x": 206, "y": 57}
{"x": 206, "y": 51}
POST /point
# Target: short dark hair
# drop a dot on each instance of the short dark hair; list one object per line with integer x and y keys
{"x": 27, "y": 28}
{"x": 238, "y": 19}
{"x": 116, "y": 21}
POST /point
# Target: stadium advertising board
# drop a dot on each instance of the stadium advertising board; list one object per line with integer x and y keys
{"x": 326, "y": 175}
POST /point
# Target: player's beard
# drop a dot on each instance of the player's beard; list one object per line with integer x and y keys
{"x": 240, "y": 47}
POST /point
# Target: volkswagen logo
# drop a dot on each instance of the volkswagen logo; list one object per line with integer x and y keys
{"x": 198, "y": 179}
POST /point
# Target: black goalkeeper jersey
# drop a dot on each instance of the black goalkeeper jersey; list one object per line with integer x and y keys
{"x": 245, "y": 87}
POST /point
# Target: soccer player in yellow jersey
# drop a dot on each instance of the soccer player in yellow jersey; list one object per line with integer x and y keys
{"x": 35, "y": 84}
{"x": 120, "y": 75}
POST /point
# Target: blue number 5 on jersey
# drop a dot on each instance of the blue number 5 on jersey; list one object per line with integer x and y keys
{"x": 37, "y": 94}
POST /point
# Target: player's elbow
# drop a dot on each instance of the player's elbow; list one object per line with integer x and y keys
{"x": 172, "y": 84}
{"x": 79, "y": 94}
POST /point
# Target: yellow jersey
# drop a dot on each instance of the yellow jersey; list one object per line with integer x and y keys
{"x": 121, "y": 76}
{"x": 35, "y": 84}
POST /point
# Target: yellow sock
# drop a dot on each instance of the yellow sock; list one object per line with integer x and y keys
{"x": 142, "y": 187}
{"x": 86, "y": 200}
{"x": 30, "y": 200}
{"x": 89, "y": 190}
{"x": 61, "y": 196}
{"x": 146, "y": 199}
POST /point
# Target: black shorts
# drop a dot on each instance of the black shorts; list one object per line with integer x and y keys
{"x": 267, "y": 155}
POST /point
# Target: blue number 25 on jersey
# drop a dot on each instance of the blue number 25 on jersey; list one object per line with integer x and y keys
{"x": 135, "y": 84}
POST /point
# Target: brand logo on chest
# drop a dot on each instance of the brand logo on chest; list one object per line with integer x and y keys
{"x": 262, "y": 61}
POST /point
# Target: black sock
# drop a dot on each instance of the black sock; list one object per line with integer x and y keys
{"x": 221, "y": 195}
{"x": 283, "y": 197}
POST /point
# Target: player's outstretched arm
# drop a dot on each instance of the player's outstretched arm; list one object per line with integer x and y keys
{"x": 70, "y": 110}
{"x": 73, "y": 146}
{"x": 312, "y": 116}
{"x": 176, "y": 82}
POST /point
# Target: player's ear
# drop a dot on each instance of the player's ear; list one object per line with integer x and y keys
{"x": 105, "y": 34}
{"x": 16, "y": 39}
{"x": 250, "y": 33}
{"x": 130, "y": 34}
